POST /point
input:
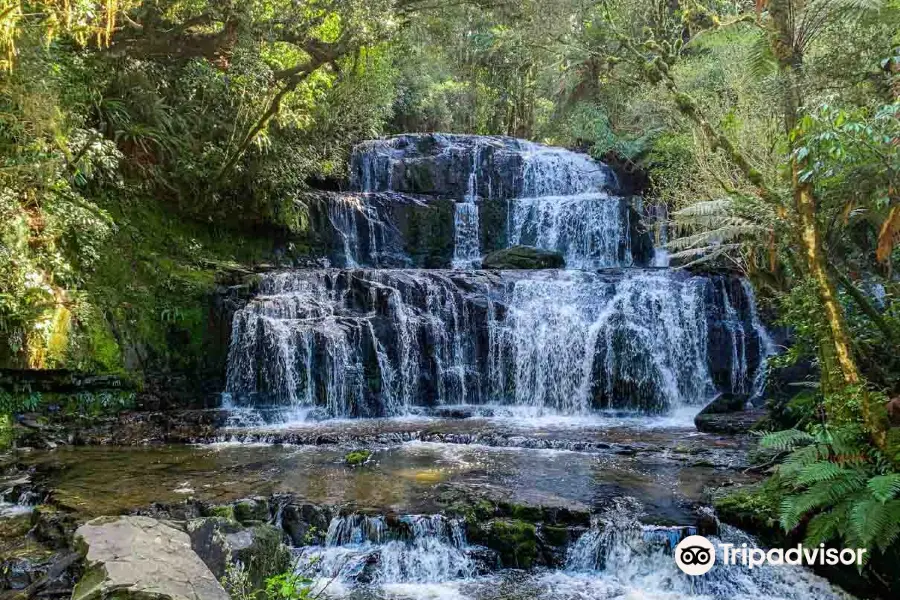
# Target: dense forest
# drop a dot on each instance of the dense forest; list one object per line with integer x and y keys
{"x": 152, "y": 150}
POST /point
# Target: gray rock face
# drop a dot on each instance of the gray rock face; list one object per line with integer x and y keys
{"x": 523, "y": 257}
{"x": 141, "y": 557}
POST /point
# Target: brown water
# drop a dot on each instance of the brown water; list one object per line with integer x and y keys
{"x": 667, "y": 469}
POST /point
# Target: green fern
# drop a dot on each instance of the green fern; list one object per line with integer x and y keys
{"x": 819, "y": 472}
{"x": 885, "y": 487}
{"x": 786, "y": 440}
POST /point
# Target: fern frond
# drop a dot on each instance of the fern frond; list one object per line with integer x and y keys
{"x": 884, "y": 487}
{"x": 786, "y": 440}
{"x": 890, "y": 535}
{"x": 873, "y": 522}
{"x": 705, "y": 208}
{"x": 818, "y": 472}
{"x": 826, "y": 526}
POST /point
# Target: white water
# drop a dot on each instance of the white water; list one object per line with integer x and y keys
{"x": 618, "y": 558}
{"x": 417, "y": 549}
{"x": 566, "y": 342}
{"x": 466, "y": 248}
{"x": 590, "y": 230}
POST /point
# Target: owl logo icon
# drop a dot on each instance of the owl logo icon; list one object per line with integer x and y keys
{"x": 695, "y": 555}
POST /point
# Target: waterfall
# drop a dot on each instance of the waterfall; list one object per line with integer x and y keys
{"x": 344, "y": 211}
{"x": 412, "y": 549}
{"x": 555, "y": 199}
{"x": 466, "y": 249}
{"x": 370, "y": 342}
{"x": 558, "y": 172}
{"x": 590, "y": 230}
{"x": 377, "y": 342}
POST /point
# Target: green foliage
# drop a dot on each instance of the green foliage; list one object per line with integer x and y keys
{"x": 294, "y": 584}
{"x": 837, "y": 486}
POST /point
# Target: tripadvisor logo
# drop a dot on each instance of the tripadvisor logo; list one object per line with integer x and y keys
{"x": 696, "y": 555}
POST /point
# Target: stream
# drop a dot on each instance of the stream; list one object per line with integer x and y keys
{"x": 563, "y": 398}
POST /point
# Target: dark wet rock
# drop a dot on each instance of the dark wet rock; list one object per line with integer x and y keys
{"x": 209, "y": 540}
{"x": 553, "y": 535}
{"x": 440, "y": 164}
{"x": 305, "y": 524}
{"x": 642, "y": 246}
{"x": 728, "y": 413}
{"x": 261, "y": 550}
{"x": 486, "y": 560}
{"x": 147, "y": 427}
{"x": 52, "y": 527}
{"x": 725, "y": 403}
{"x": 729, "y": 320}
{"x": 137, "y": 556}
{"x": 220, "y": 542}
{"x": 24, "y": 560}
{"x": 176, "y": 511}
{"x": 523, "y": 257}
{"x": 707, "y": 524}
{"x": 554, "y": 541}
{"x": 730, "y": 423}
{"x": 383, "y": 229}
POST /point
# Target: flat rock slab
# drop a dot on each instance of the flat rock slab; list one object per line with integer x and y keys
{"x": 140, "y": 557}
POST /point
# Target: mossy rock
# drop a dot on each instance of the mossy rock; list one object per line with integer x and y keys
{"x": 514, "y": 541}
{"x": 553, "y": 535}
{"x": 754, "y": 510}
{"x": 251, "y": 510}
{"x": 522, "y": 512}
{"x": 357, "y": 457}
{"x": 262, "y": 551}
{"x": 523, "y": 257}
{"x": 224, "y": 511}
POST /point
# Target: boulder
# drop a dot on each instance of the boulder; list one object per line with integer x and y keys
{"x": 136, "y": 556}
{"x": 514, "y": 541}
{"x": 250, "y": 511}
{"x": 523, "y": 257}
{"x": 725, "y": 403}
{"x": 305, "y": 524}
{"x": 728, "y": 413}
{"x": 221, "y": 542}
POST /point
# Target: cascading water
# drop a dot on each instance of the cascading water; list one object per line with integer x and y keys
{"x": 619, "y": 556}
{"x": 555, "y": 198}
{"x": 590, "y": 230}
{"x": 343, "y": 212}
{"x": 466, "y": 248}
{"x": 361, "y": 550}
{"x": 376, "y": 342}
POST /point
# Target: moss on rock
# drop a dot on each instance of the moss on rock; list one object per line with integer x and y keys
{"x": 357, "y": 457}
{"x": 515, "y": 541}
